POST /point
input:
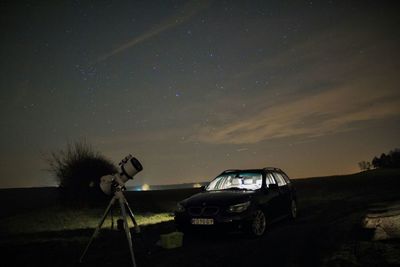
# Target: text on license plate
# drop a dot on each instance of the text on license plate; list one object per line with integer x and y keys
{"x": 202, "y": 221}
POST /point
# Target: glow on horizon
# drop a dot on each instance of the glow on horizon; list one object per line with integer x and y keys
{"x": 145, "y": 187}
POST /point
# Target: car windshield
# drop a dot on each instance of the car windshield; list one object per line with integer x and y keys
{"x": 236, "y": 181}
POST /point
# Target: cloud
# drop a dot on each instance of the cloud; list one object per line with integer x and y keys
{"x": 313, "y": 115}
{"x": 190, "y": 9}
{"x": 360, "y": 85}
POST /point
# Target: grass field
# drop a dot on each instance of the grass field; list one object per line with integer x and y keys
{"x": 59, "y": 219}
{"x": 34, "y": 224}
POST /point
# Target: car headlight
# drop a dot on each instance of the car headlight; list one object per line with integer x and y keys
{"x": 180, "y": 207}
{"x": 239, "y": 207}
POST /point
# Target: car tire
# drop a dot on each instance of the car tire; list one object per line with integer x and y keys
{"x": 293, "y": 209}
{"x": 258, "y": 224}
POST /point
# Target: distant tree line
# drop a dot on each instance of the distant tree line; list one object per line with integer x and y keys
{"x": 384, "y": 161}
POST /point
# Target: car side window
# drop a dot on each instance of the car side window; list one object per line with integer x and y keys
{"x": 279, "y": 178}
{"x": 269, "y": 179}
{"x": 286, "y": 178}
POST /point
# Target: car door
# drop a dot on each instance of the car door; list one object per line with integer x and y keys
{"x": 271, "y": 196}
{"x": 285, "y": 194}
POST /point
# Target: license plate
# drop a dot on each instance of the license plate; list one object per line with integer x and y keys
{"x": 202, "y": 221}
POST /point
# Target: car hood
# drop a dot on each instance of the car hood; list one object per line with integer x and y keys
{"x": 218, "y": 198}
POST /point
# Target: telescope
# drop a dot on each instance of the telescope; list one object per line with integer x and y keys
{"x": 129, "y": 167}
{"x": 115, "y": 185}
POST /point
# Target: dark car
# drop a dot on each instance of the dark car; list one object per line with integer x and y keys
{"x": 247, "y": 199}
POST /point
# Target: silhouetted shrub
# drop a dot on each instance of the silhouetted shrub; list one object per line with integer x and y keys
{"x": 365, "y": 165}
{"x": 391, "y": 160}
{"x": 77, "y": 170}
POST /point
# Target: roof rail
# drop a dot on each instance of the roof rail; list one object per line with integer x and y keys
{"x": 272, "y": 169}
{"x": 232, "y": 170}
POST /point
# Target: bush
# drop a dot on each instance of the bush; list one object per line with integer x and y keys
{"x": 77, "y": 170}
{"x": 390, "y": 160}
{"x": 365, "y": 165}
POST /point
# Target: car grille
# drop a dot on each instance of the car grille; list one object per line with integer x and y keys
{"x": 203, "y": 211}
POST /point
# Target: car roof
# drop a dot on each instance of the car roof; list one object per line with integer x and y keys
{"x": 253, "y": 170}
{"x": 272, "y": 169}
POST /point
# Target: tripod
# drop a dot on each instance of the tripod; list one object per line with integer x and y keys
{"x": 118, "y": 196}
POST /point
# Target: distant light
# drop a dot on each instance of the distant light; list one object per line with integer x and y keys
{"x": 196, "y": 185}
{"x": 145, "y": 187}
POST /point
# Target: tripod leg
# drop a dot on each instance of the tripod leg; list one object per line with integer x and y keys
{"x": 137, "y": 228}
{"x": 98, "y": 227}
{"x": 112, "y": 218}
{"x": 127, "y": 230}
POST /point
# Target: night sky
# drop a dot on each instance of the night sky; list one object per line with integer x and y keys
{"x": 193, "y": 88}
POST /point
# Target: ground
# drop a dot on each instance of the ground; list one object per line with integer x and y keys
{"x": 328, "y": 232}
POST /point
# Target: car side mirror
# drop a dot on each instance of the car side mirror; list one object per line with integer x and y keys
{"x": 203, "y": 188}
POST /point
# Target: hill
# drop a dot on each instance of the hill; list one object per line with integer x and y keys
{"x": 327, "y": 233}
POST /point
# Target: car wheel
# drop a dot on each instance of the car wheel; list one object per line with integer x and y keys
{"x": 293, "y": 209}
{"x": 258, "y": 224}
